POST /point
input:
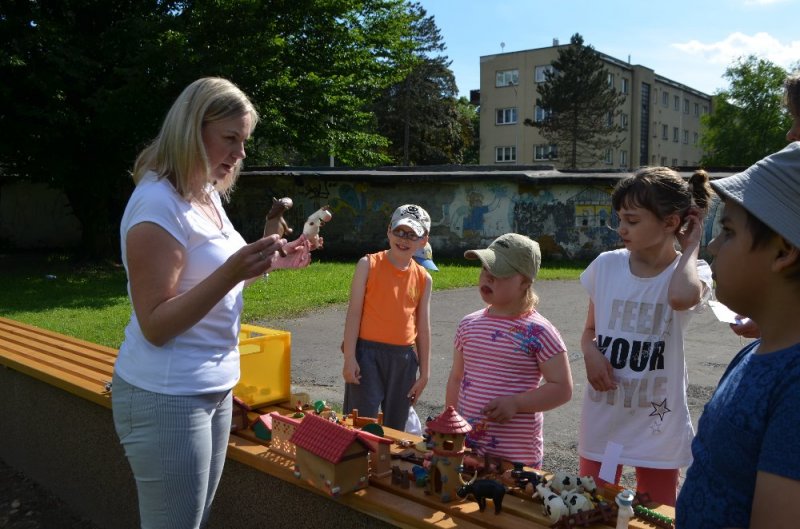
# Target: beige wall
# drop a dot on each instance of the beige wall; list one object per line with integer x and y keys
{"x": 522, "y": 96}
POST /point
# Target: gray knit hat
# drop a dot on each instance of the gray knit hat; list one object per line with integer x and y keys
{"x": 770, "y": 191}
{"x": 510, "y": 254}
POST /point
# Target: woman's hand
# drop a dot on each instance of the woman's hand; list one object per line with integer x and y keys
{"x": 297, "y": 254}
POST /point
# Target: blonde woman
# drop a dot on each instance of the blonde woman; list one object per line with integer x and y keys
{"x": 186, "y": 267}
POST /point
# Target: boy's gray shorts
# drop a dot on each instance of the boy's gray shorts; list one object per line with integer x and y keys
{"x": 387, "y": 374}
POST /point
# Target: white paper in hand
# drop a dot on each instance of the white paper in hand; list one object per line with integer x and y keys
{"x": 723, "y": 313}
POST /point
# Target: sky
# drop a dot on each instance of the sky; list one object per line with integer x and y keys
{"x": 691, "y": 42}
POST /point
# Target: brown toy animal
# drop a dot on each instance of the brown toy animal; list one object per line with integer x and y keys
{"x": 275, "y": 222}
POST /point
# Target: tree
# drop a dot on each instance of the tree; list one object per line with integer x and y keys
{"x": 581, "y": 108}
{"x": 749, "y": 121}
{"x": 87, "y": 83}
{"x": 420, "y": 114}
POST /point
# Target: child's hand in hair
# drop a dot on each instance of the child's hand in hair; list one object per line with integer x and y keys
{"x": 690, "y": 234}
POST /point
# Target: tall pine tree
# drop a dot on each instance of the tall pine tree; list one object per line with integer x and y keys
{"x": 581, "y": 108}
{"x": 420, "y": 114}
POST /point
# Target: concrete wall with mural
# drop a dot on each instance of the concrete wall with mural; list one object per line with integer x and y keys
{"x": 568, "y": 213}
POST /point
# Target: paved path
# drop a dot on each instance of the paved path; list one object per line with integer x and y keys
{"x": 316, "y": 360}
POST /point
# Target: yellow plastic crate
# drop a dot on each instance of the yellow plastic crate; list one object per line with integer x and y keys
{"x": 266, "y": 366}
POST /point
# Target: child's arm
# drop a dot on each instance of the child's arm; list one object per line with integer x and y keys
{"x": 557, "y": 391}
{"x": 352, "y": 323}
{"x": 454, "y": 380}
{"x": 685, "y": 288}
{"x": 774, "y": 502}
{"x": 599, "y": 372}
{"x": 423, "y": 317}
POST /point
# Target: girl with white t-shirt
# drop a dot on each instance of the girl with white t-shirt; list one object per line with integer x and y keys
{"x": 641, "y": 298}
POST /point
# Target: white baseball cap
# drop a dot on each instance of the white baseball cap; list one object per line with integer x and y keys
{"x": 412, "y": 216}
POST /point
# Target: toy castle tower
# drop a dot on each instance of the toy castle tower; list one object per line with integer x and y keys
{"x": 447, "y": 434}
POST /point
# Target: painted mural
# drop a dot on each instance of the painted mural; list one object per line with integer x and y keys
{"x": 569, "y": 220}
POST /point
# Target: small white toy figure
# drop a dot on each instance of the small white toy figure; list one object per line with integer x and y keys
{"x": 315, "y": 221}
{"x": 625, "y": 501}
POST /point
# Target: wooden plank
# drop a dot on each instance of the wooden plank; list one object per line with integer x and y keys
{"x": 76, "y": 366}
{"x": 52, "y": 337}
{"x": 34, "y": 348}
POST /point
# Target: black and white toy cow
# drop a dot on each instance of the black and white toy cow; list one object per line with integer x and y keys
{"x": 563, "y": 481}
{"x": 554, "y": 506}
{"x": 576, "y": 501}
{"x": 481, "y": 489}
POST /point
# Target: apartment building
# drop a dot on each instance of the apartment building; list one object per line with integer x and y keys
{"x": 661, "y": 117}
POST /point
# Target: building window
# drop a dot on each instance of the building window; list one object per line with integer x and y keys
{"x": 539, "y": 114}
{"x": 685, "y": 106}
{"x": 674, "y": 162}
{"x": 623, "y": 119}
{"x": 705, "y": 109}
{"x": 610, "y": 119}
{"x": 677, "y": 102}
{"x": 539, "y": 73}
{"x": 665, "y": 132}
{"x": 507, "y": 78}
{"x": 505, "y": 154}
{"x": 665, "y": 98}
{"x": 697, "y": 109}
{"x": 676, "y": 134}
{"x": 545, "y": 152}
{"x": 696, "y": 138}
{"x": 623, "y": 86}
{"x": 609, "y": 156}
{"x": 611, "y": 80}
{"x": 663, "y": 161}
{"x": 685, "y": 137}
{"x": 506, "y": 116}
{"x": 623, "y": 158}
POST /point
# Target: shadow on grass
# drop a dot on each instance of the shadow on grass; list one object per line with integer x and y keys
{"x": 34, "y": 282}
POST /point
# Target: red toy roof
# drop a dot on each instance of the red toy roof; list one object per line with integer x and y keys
{"x": 326, "y": 439}
{"x": 449, "y": 422}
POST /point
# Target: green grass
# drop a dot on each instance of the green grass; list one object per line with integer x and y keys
{"x": 90, "y": 301}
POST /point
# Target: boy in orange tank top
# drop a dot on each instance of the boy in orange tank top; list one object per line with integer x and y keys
{"x": 387, "y": 331}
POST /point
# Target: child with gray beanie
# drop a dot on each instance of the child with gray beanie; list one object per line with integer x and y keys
{"x": 746, "y": 442}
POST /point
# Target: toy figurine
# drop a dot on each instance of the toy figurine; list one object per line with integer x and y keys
{"x": 481, "y": 489}
{"x": 315, "y": 221}
{"x": 625, "y": 501}
{"x": 275, "y": 221}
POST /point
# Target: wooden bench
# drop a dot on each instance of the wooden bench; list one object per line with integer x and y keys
{"x": 83, "y": 369}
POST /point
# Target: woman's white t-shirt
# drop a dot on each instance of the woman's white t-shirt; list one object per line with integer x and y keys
{"x": 205, "y": 358}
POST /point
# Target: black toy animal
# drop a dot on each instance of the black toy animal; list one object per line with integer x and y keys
{"x": 481, "y": 489}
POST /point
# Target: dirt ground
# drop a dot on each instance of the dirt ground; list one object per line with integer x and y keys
{"x": 26, "y": 505}
{"x": 316, "y": 370}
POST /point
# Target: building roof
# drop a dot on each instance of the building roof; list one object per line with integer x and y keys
{"x": 326, "y": 439}
{"x": 533, "y": 174}
{"x": 449, "y": 422}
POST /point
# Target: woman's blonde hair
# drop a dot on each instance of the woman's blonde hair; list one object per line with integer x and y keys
{"x": 178, "y": 152}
